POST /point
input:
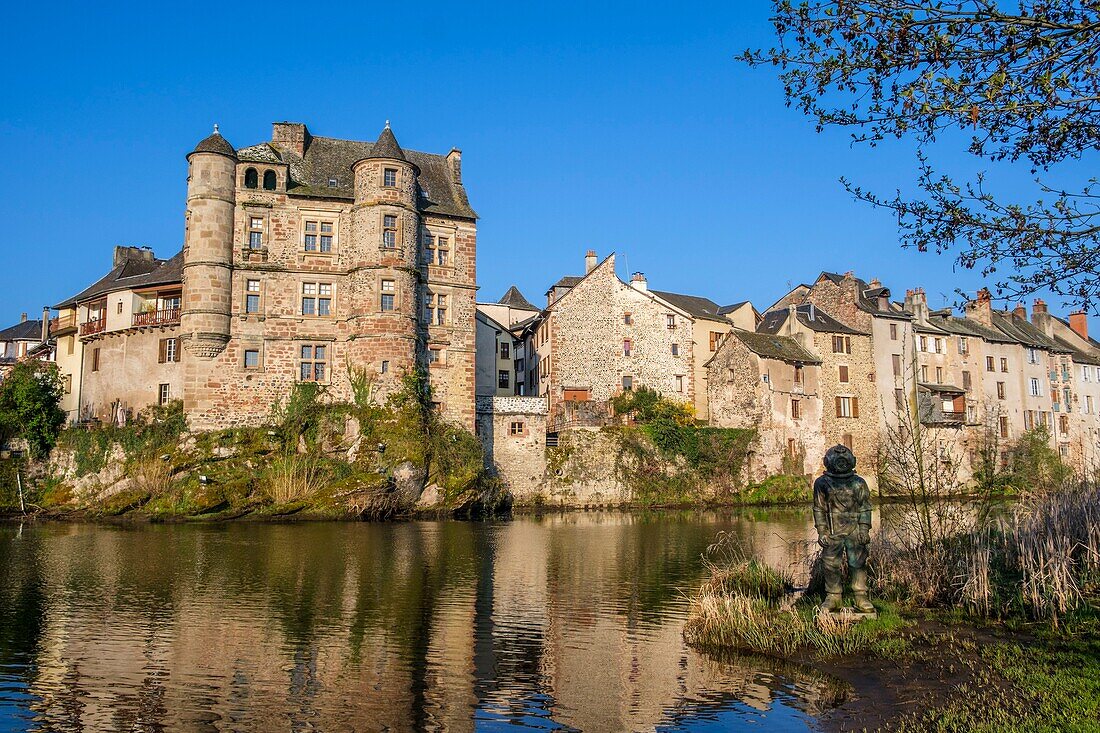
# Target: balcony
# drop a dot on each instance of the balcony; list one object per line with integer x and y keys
{"x": 168, "y": 316}
{"x": 63, "y": 323}
{"x": 89, "y": 328}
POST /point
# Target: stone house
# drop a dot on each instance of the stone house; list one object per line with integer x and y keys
{"x": 25, "y": 339}
{"x": 599, "y": 336}
{"x": 771, "y": 383}
{"x": 512, "y": 430}
{"x": 118, "y": 340}
{"x": 306, "y": 257}
{"x": 850, "y": 411}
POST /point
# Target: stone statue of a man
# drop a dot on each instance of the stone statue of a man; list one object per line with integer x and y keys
{"x": 842, "y": 515}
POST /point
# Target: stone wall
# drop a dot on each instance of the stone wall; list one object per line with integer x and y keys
{"x": 129, "y": 371}
{"x": 516, "y": 456}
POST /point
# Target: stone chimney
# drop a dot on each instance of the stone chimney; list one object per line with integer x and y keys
{"x": 454, "y": 158}
{"x": 45, "y": 323}
{"x": 1079, "y": 322}
{"x": 1040, "y": 317}
{"x": 589, "y": 261}
{"x": 981, "y": 308}
{"x": 125, "y": 254}
{"x": 638, "y": 282}
{"x": 290, "y": 135}
{"x": 22, "y": 317}
{"x": 875, "y": 283}
{"x": 1020, "y": 311}
{"x": 916, "y": 302}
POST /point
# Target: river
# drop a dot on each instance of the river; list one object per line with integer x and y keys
{"x": 559, "y": 622}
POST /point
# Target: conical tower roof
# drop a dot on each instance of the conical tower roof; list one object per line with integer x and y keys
{"x": 514, "y": 299}
{"x": 387, "y": 146}
{"x": 215, "y": 143}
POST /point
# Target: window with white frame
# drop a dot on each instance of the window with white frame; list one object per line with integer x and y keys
{"x": 389, "y": 177}
{"x": 252, "y": 296}
{"x": 319, "y": 236}
{"x": 313, "y": 366}
{"x": 255, "y": 232}
{"x": 389, "y": 295}
{"x": 436, "y": 307}
{"x": 442, "y": 251}
{"x": 389, "y": 231}
{"x": 164, "y": 394}
{"x": 316, "y": 299}
{"x": 251, "y": 358}
{"x": 679, "y": 383}
{"x": 1034, "y": 387}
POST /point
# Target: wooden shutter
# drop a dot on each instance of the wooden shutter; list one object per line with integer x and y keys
{"x": 855, "y": 407}
{"x": 162, "y": 356}
{"x": 838, "y": 413}
{"x": 844, "y": 372}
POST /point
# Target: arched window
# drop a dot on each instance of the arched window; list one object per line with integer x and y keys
{"x": 251, "y": 179}
{"x": 269, "y": 180}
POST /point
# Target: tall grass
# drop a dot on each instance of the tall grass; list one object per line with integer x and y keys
{"x": 152, "y": 476}
{"x": 293, "y": 477}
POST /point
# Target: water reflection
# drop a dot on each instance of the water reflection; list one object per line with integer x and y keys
{"x": 567, "y": 622}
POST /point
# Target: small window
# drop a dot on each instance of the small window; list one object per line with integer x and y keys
{"x": 251, "y": 178}
{"x": 893, "y": 332}
{"x": 966, "y": 381}
{"x": 252, "y": 296}
{"x": 270, "y": 180}
{"x": 389, "y": 231}
{"x": 318, "y": 236}
{"x": 314, "y": 362}
{"x": 164, "y": 394}
{"x": 255, "y": 232}
{"x": 389, "y": 293}
{"x": 628, "y": 319}
{"x": 1004, "y": 364}
{"x": 1003, "y": 423}
{"x": 842, "y": 344}
{"x": 964, "y": 345}
{"x": 628, "y": 347}
{"x": 796, "y": 409}
{"x": 628, "y": 383}
{"x": 670, "y": 320}
{"x": 385, "y": 368}
{"x": 435, "y": 356}
{"x": 389, "y": 177}
{"x": 505, "y": 350}
{"x": 95, "y": 359}
{"x": 924, "y": 372}
{"x": 843, "y": 373}
{"x": 1000, "y": 390}
{"x": 119, "y": 307}
{"x": 847, "y": 407}
{"x": 715, "y": 339}
{"x": 169, "y": 350}
{"x": 443, "y": 251}
{"x": 989, "y": 364}
{"x": 251, "y": 358}
{"x": 899, "y": 399}
{"x": 939, "y": 375}
{"x": 939, "y": 345}
{"x": 676, "y": 349}
{"x": 517, "y": 427}
{"x": 504, "y": 379}
{"x": 895, "y": 360}
{"x": 798, "y": 375}
{"x": 332, "y": 182}
{"x": 679, "y": 383}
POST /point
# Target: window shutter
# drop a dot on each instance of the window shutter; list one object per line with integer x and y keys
{"x": 855, "y": 407}
{"x": 162, "y": 356}
{"x": 838, "y": 414}
{"x": 843, "y": 373}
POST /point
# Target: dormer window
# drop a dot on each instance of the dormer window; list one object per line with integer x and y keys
{"x": 270, "y": 180}
{"x": 389, "y": 177}
{"x": 251, "y": 178}
{"x": 332, "y": 182}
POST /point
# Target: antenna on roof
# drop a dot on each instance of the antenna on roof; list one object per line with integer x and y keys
{"x": 216, "y": 129}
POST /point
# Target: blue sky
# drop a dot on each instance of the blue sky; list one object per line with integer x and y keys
{"x": 625, "y": 127}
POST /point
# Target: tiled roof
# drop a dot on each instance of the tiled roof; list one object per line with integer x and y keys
{"x": 514, "y": 299}
{"x": 25, "y": 331}
{"x": 810, "y": 316}
{"x": 133, "y": 273}
{"x": 329, "y": 160}
{"x": 693, "y": 305}
{"x": 772, "y": 346}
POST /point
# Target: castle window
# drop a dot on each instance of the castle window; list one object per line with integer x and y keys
{"x": 442, "y": 251}
{"x": 251, "y": 358}
{"x": 436, "y": 356}
{"x": 628, "y": 347}
{"x": 389, "y": 231}
{"x": 389, "y": 177}
{"x": 385, "y": 368}
{"x": 429, "y": 248}
{"x": 270, "y": 180}
{"x": 389, "y": 293}
{"x": 255, "y": 232}
{"x": 314, "y": 363}
{"x": 251, "y": 178}
{"x": 252, "y": 296}
{"x": 164, "y": 394}
{"x": 437, "y": 309}
{"x": 316, "y": 299}
{"x": 517, "y": 427}
{"x": 318, "y": 236}
{"x": 628, "y": 319}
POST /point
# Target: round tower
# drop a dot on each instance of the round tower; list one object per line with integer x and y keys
{"x": 386, "y": 231}
{"x": 208, "y": 247}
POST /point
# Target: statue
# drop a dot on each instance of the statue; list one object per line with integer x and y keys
{"x": 842, "y": 515}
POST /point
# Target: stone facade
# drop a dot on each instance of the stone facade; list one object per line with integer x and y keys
{"x": 348, "y": 256}
{"x": 513, "y": 434}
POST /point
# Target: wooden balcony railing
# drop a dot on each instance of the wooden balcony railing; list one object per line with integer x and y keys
{"x": 62, "y": 322}
{"x": 157, "y": 318}
{"x": 89, "y": 327}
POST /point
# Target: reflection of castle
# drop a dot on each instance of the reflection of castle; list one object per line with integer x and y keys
{"x": 428, "y": 626}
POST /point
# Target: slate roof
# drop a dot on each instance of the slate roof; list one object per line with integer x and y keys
{"x": 868, "y": 296}
{"x": 566, "y": 282}
{"x": 1077, "y": 354}
{"x": 693, "y": 305}
{"x": 387, "y": 146}
{"x": 726, "y": 309}
{"x": 25, "y": 331}
{"x": 330, "y": 159}
{"x": 1021, "y": 331}
{"x": 772, "y": 346}
{"x": 514, "y": 299}
{"x": 968, "y": 327}
{"x": 133, "y": 273}
{"x": 941, "y": 388}
{"x": 215, "y": 143}
{"x": 773, "y": 321}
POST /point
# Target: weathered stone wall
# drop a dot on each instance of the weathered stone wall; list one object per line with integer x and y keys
{"x": 129, "y": 371}
{"x": 518, "y": 458}
{"x": 862, "y": 432}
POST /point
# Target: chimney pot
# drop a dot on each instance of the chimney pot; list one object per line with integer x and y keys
{"x": 589, "y": 261}
{"x": 22, "y": 317}
{"x": 1020, "y": 311}
{"x": 1079, "y": 322}
{"x": 638, "y": 282}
